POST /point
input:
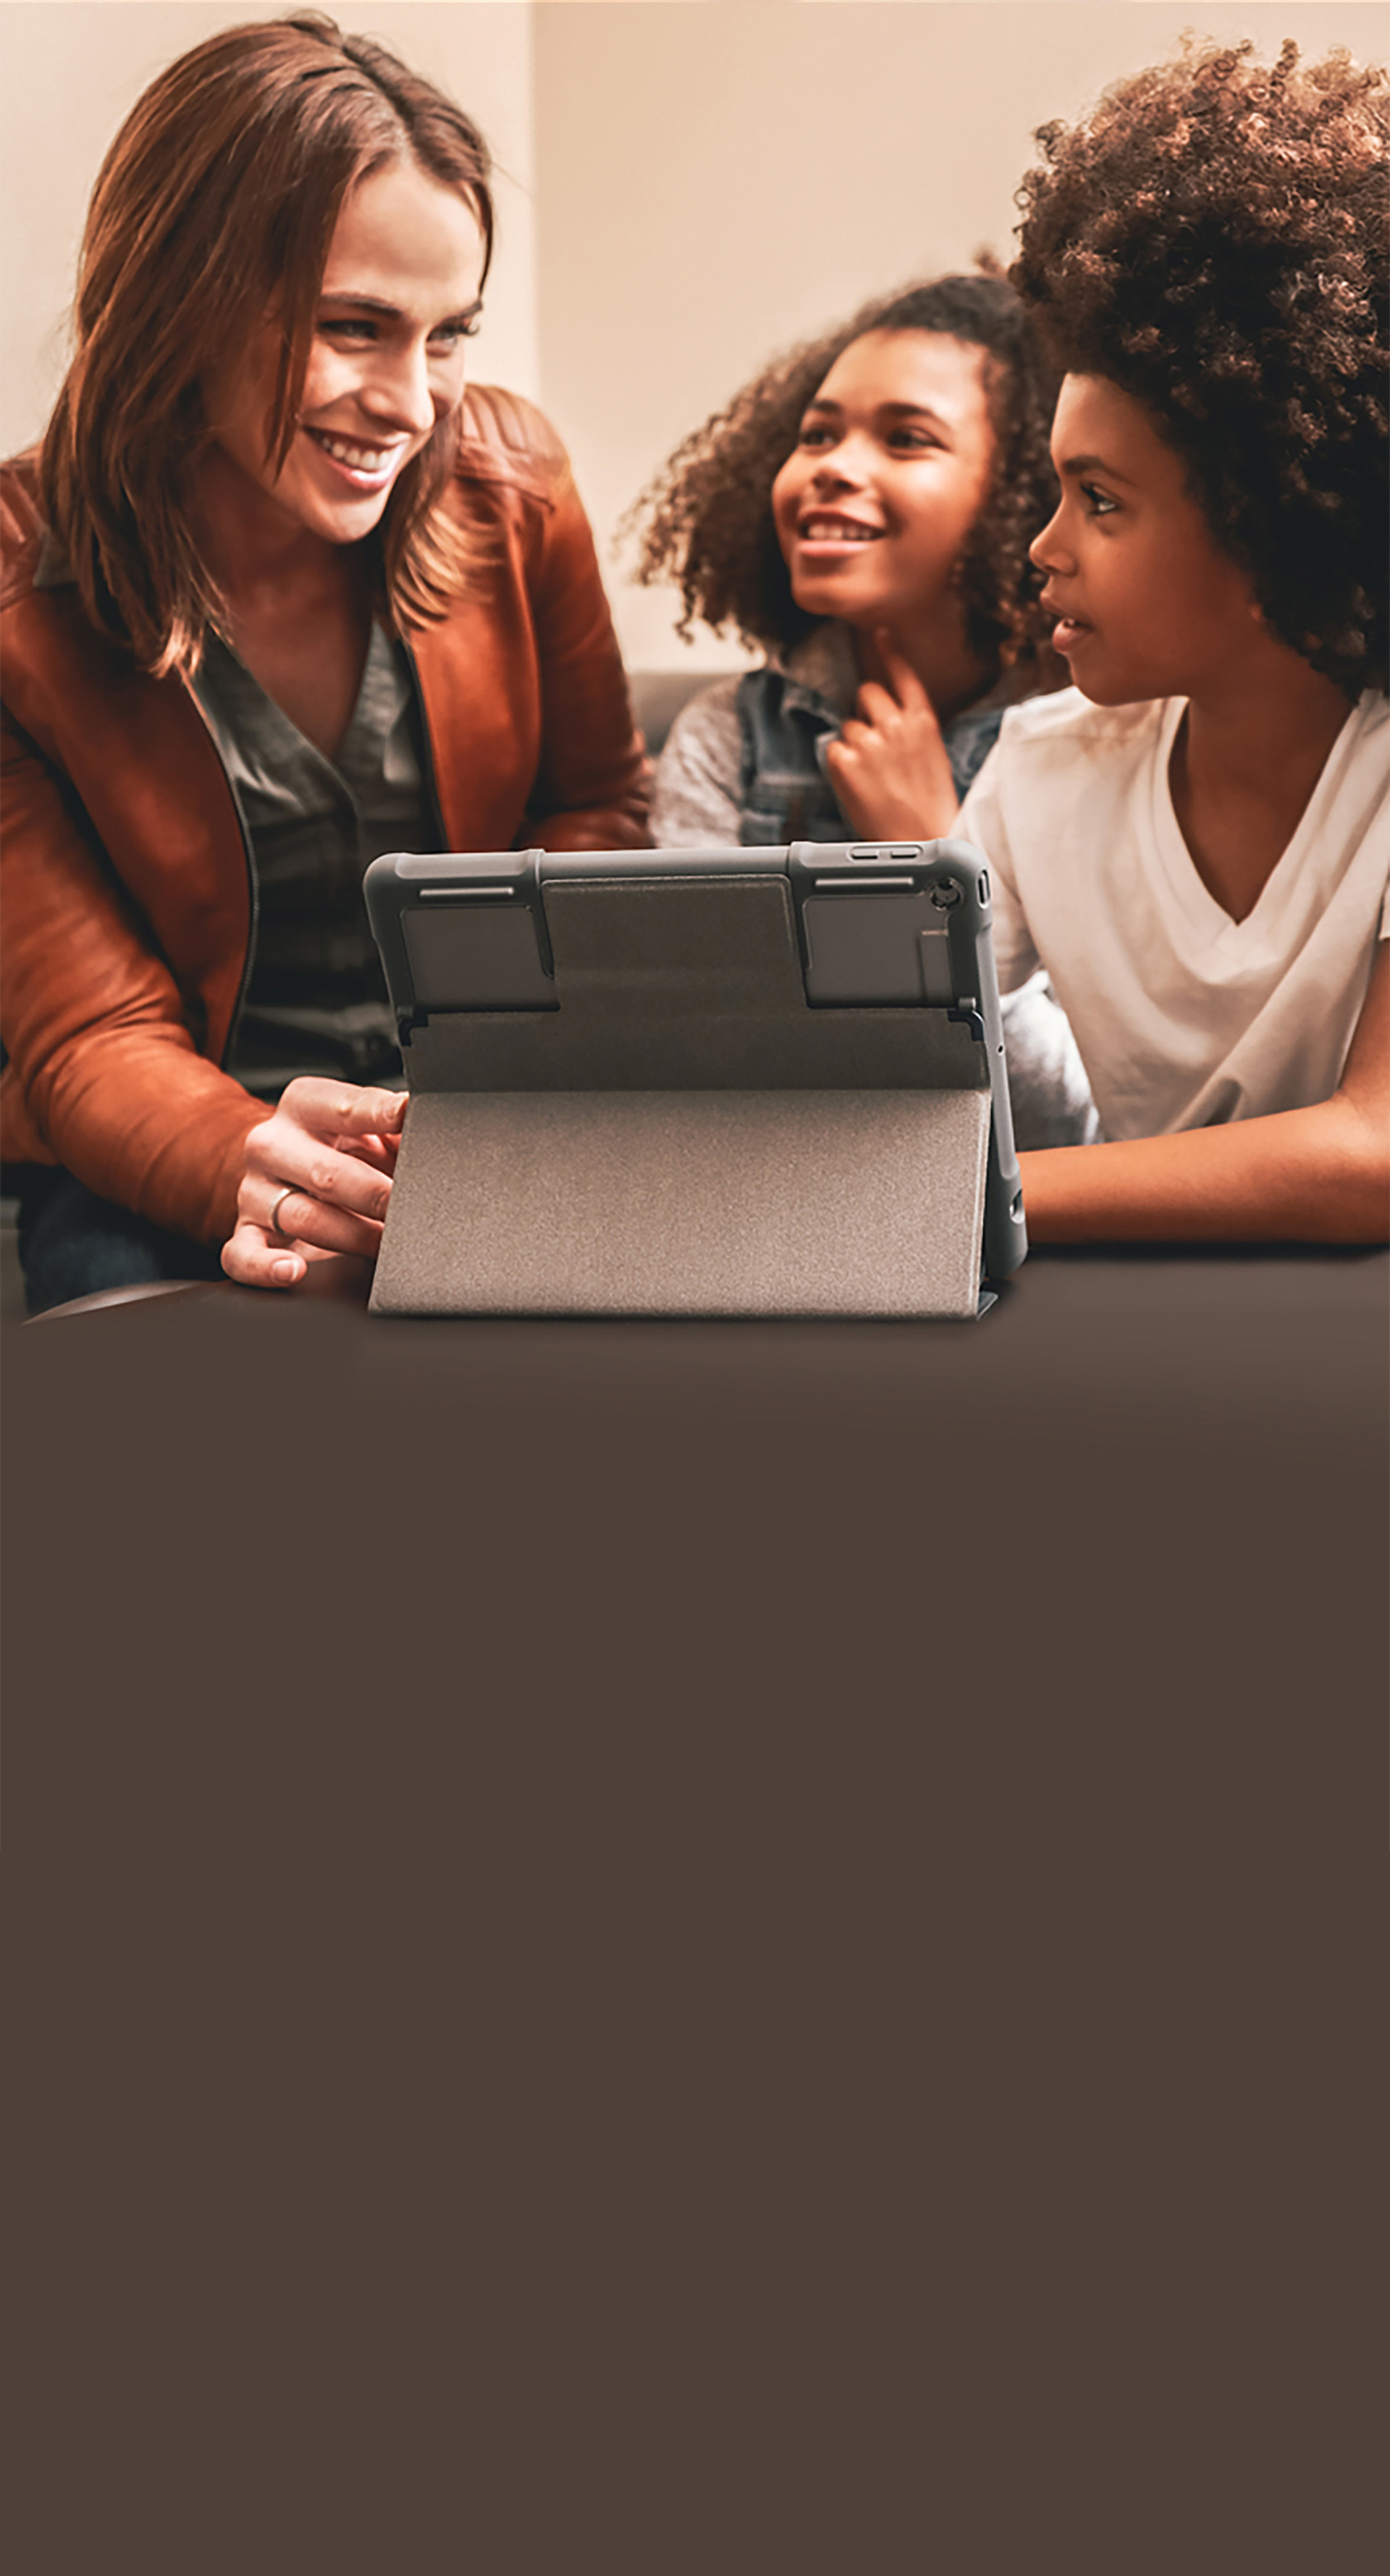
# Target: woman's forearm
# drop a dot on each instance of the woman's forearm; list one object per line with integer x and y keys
{"x": 1319, "y": 1175}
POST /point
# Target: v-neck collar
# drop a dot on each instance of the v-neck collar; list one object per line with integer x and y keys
{"x": 374, "y": 708}
{"x": 1204, "y": 914}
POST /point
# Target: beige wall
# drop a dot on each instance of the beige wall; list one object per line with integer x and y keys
{"x": 688, "y": 184}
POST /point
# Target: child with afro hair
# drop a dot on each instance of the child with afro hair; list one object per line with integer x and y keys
{"x": 1194, "y": 839}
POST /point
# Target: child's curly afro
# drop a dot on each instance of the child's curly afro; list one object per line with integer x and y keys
{"x": 1213, "y": 241}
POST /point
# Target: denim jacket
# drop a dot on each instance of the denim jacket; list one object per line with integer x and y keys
{"x": 790, "y": 713}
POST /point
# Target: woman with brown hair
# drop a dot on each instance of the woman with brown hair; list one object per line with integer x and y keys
{"x": 279, "y": 594}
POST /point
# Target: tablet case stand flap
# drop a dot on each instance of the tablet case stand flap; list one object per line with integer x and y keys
{"x": 677, "y": 1131}
{"x": 687, "y": 1203}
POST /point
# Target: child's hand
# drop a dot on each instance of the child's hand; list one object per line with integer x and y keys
{"x": 889, "y": 768}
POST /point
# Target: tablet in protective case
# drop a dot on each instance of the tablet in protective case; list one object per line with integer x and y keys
{"x": 699, "y": 1082}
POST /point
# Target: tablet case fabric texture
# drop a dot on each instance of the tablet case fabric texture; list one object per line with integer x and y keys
{"x": 683, "y": 1134}
{"x": 687, "y": 1203}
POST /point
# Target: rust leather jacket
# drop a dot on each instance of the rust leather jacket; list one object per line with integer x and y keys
{"x": 128, "y": 891}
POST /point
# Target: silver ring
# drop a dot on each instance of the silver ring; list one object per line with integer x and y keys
{"x": 273, "y": 1220}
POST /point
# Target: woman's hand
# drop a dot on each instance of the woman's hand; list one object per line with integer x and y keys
{"x": 889, "y": 767}
{"x": 333, "y": 1149}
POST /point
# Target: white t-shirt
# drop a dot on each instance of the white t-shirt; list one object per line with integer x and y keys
{"x": 1184, "y": 1018}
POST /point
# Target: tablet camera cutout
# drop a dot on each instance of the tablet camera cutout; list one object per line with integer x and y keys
{"x": 875, "y": 931}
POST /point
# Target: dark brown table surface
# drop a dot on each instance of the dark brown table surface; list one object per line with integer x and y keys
{"x": 1128, "y": 1454}
{"x": 639, "y": 1941}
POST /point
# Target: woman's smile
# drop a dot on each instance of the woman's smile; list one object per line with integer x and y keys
{"x": 368, "y": 466}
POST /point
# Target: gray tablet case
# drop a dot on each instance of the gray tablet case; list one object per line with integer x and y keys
{"x": 697, "y": 1082}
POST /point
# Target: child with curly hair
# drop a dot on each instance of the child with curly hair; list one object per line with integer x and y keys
{"x": 863, "y": 511}
{"x": 1194, "y": 840}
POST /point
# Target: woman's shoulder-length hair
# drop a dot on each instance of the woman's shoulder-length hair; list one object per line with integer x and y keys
{"x": 215, "y": 205}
